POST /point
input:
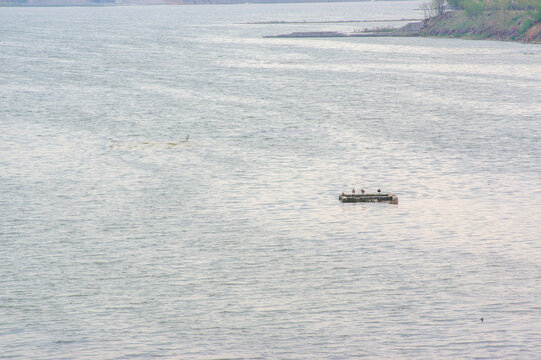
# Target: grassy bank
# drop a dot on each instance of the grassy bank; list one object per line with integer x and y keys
{"x": 509, "y": 24}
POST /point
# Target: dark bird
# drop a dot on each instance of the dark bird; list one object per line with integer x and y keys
{"x": 379, "y": 190}
{"x": 353, "y": 191}
{"x": 362, "y": 191}
{"x": 482, "y": 319}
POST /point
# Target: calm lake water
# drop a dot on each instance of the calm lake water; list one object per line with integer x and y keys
{"x": 119, "y": 240}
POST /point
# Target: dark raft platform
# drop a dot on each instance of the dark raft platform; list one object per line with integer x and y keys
{"x": 384, "y": 198}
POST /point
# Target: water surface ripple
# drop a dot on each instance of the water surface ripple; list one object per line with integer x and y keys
{"x": 120, "y": 240}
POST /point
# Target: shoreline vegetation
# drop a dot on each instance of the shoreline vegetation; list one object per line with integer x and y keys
{"x": 503, "y": 20}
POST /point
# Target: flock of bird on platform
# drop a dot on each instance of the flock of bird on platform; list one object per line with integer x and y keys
{"x": 363, "y": 191}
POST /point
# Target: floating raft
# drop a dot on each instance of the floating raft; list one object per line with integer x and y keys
{"x": 385, "y": 198}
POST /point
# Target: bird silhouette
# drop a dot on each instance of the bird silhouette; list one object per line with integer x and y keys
{"x": 362, "y": 191}
{"x": 379, "y": 190}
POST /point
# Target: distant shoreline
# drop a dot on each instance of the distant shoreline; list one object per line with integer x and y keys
{"x": 409, "y": 30}
{"x": 324, "y": 22}
{"x": 514, "y": 26}
{"x": 93, "y": 3}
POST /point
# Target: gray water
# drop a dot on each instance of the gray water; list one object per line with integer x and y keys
{"x": 120, "y": 240}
